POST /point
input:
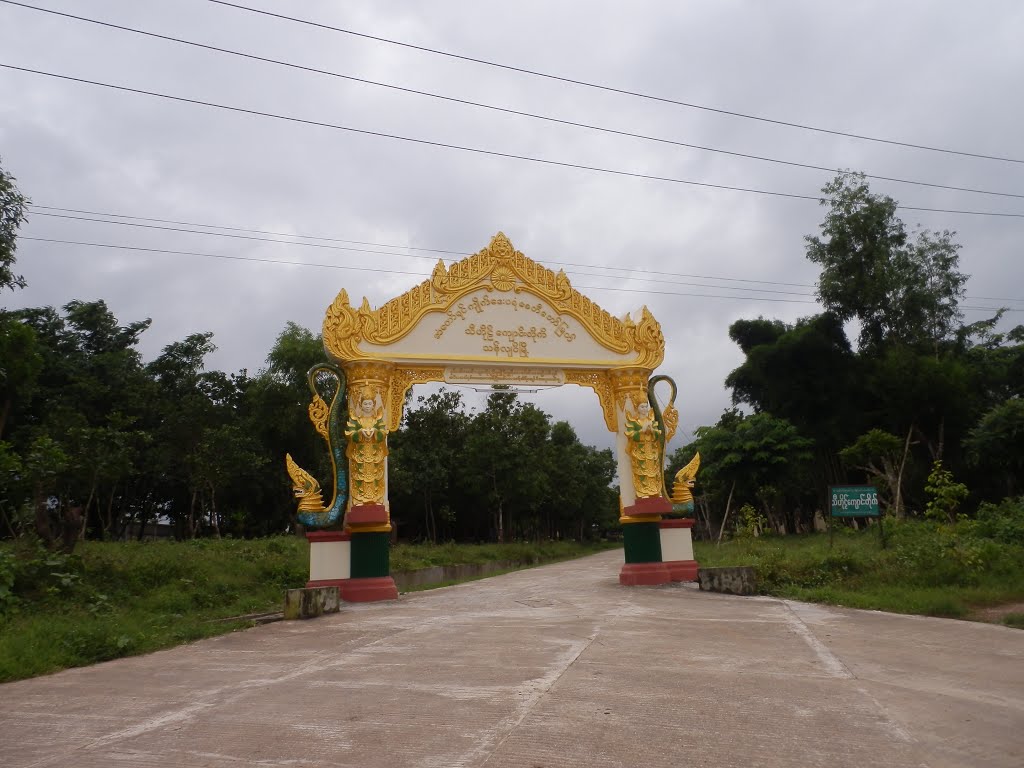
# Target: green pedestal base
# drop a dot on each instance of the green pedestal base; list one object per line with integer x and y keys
{"x": 370, "y": 555}
{"x": 642, "y": 542}
{"x": 643, "y": 565}
{"x": 371, "y": 569}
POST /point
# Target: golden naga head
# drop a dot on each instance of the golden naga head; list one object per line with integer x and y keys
{"x": 304, "y": 487}
{"x": 684, "y": 481}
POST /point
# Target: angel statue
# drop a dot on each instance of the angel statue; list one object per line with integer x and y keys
{"x": 645, "y": 449}
{"x": 367, "y": 449}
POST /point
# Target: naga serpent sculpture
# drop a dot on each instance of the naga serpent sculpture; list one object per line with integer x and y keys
{"x": 667, "y": 421}
{"x": 682, "y": 495}
{"x": 312, "y": 513}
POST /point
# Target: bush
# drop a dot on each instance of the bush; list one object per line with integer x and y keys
{"x": 933, "y": 568}
{"x": 123, "y": 598}
{"x": 1002, "y": 522}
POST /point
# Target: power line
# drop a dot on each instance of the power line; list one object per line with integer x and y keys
{"x": 477, "y": 150}
{"x": 612, "y": 89}
{"x": 359, "y": 250}
{"x": 629, "y": 270}
{"x": 406, "y": 255}
{"x": 224, "y": 256}
{"x": 231, "y": 235}
{"x": 288, "y": 262}
{"x": 506, "y": 110}
{"x": 41, "y": 208}
{"x": 380, "y": 269}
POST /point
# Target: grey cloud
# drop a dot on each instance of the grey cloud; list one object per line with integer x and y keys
{"x": 941, "y": 74}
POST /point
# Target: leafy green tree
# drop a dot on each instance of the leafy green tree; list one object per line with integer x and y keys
{"x": 997, "y": 443}
{"x": 427, "y": 454}
{"x": 579, "y": 500}
{"x": 295, "y": 351}
{"x": 945, "y": 496}
{"x": 273, "y": 411}
{"x": 882, "y": 456}
{"x": 226, "y": 459}
{"x": 20, "y": 365}
{"x": 755, "y": 459}
{"x": 11, "y": 476}
{"x": 798, "y": 372}
{"x": 42, "y": 465}
{"x": 898, "y": 290}
{"x": 501, "y": 461}
{"x": 12, "y": 215}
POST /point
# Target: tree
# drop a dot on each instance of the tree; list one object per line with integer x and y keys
{"x": 579, "y": 498}
{"x": 899, "y": 291}
{"x": 760, "y": 459}
{"x": 295, "y": 351}
{"x": 502, "y": 466}
{"x": 423, "y": 467}
{"x": 798, "y": 372}
{"x": 12, "y": 216}
{"x": 20, "y": 365}
{"x": 997, "y": 442}
{"x": 945, "y": 495}
{"x": 882, "y": 456}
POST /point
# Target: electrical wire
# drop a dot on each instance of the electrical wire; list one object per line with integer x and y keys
{"x": 372, "y": 269}
{"x": 477, "y": 150}
{"x": 506, "y": 110}
{"x": 574, "y": 272}
{"x": 288, "y": 262}
{"x": 379, "y": 253}
{"x": 611, "y": 89}
{"x": 630, "y": 270}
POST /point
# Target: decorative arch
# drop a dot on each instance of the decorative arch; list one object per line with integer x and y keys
{"x": 496, "y": 317}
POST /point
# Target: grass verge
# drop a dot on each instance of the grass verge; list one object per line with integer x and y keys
{"x": 114, "y": 599}
{"x": 927, "y": 568}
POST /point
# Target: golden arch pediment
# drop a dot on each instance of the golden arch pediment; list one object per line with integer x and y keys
{"x": 496, "y": 306}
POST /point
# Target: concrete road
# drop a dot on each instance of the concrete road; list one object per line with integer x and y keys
{"x": 556, "y": 666}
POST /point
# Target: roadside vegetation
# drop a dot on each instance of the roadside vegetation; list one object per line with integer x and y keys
{"x": 113, "y": 599}
{"x": 928, "y": 566}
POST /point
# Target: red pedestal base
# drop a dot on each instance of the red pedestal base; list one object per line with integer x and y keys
{"x": 682, "y": 570}
{"x": 654, "y": 505}
{"x": 368, "y": 590}
{"x": 366, "y": 514}
{"x": 644, "y": 574}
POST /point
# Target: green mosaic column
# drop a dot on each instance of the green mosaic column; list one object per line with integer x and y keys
{"x": 371, "y": 555}
{"x": 642, "y": 542}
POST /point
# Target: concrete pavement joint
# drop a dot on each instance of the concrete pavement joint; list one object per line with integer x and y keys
{"x": 547, "y": 682}
{"x": 830, "y": 661}
{"x": 541, "y": 687}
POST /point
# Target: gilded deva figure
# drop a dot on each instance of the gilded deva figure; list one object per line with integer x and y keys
{"x": 644, "y": 434}
{"x": 367, "y": 448}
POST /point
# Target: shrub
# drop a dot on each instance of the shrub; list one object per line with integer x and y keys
{"x": 1002, "y": 522}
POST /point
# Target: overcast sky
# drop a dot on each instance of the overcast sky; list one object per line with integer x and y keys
{"x": 943, "y": 74}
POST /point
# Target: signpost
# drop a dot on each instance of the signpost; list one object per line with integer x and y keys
{"x": 855, "y": 501}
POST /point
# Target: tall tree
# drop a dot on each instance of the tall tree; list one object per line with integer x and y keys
{"x": 899, "y": 290}
{"x": 12, "y": 215}
{"x": 423, "y": 470}
{"x": 997, "y": 443}
{"x": 759, "y": 459}
{"x": 502, "y": 469}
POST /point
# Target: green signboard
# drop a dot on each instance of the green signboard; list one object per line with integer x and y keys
{"x": 854, "y": 501}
